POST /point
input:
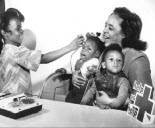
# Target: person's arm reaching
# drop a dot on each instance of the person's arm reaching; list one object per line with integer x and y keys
{"x": 30, "y": 59}
{"x": 53, "y": 55}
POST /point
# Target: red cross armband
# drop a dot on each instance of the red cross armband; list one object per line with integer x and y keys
{"x": 142, "y": 106}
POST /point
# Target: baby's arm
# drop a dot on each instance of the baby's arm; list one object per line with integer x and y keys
{"x": 119, "y": 100}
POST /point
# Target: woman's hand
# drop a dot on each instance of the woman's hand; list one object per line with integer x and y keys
{"x": 77, "y": 42}
{"x": 78, "y": 80}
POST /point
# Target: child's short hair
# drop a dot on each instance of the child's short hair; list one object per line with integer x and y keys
{"x": 10, "y": 13}
{"x": 112, "y": 47}
{"x": 100, "y": 45}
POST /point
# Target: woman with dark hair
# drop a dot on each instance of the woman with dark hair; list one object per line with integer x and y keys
{"x": 124, "y": 27}
{"x": 16, "y": 60}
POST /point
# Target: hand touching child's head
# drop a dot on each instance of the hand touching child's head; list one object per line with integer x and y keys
{"x": 92, "y": 48}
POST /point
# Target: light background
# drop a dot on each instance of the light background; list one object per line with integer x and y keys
{"x": 57, "y": 22}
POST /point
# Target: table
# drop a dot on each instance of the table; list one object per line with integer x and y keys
{"x": 60, "y": 114}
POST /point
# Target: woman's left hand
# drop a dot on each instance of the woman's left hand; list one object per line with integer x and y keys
{"x": 77, "y": 42}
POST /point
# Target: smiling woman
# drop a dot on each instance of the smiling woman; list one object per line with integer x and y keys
{"x": 123, "y": 27}
{"x": 112, "y": 31}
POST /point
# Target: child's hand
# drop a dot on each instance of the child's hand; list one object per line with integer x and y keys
{"x": 77, "y": 42}
{"x": 103, "y": 98}
{"x": 102, "y": 106}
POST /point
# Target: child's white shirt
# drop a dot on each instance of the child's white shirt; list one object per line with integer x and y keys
{"x": 94, "y": 62}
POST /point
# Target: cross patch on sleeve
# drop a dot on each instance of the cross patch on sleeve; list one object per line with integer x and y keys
{"x": 142, "y": 107}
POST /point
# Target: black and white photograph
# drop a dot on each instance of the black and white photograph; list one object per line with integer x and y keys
{"x": 77, "y": 63}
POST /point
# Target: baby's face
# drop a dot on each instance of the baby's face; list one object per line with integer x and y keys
{"x": 113, "y": 62}
{"x": 88, "y": 50}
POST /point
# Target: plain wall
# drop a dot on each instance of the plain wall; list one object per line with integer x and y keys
{"x": 57, "y": 22}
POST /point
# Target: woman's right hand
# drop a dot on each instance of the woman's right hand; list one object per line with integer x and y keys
{"x": 78, "y": 80}
{"x": 77, "y": 42}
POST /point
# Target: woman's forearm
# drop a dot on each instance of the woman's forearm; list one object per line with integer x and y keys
{"x": 53, "y": 55}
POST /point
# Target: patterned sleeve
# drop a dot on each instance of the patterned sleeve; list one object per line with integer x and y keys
{"x": 123, "y": 85}
{"x": 29, "y": 59}
{"x": 123, "y": 94}
{"x": 124, "y": 82}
